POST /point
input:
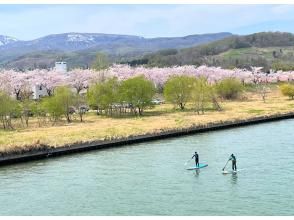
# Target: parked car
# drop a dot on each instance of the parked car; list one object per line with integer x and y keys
{"x": 157, "y": 101}
{"x": 84, "y": 108}
{"x": 72, "y": 110}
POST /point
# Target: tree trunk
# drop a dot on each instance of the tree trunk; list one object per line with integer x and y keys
{"x": 68, "y": 118}
{"x": 182, "y": 106}
{"x": 140, "y": 111}
{"x": 216, "y": 104}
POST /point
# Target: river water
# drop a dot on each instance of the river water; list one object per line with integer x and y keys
{"x": 150, "y": 178}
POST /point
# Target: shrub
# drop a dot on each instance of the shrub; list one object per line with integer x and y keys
{"x": 229, "y": 88}
{"x": 287, "y": 90}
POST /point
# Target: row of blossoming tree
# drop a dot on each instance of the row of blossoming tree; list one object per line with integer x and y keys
{"x": 16, "y": 82}
{"x": 119, "y": 85}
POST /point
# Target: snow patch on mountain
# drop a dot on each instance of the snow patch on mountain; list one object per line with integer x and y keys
{"x": 4, "y": 40}
{"x": 80, "y": 38}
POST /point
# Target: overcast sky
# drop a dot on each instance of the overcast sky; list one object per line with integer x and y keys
{"x": 27, "y": 22}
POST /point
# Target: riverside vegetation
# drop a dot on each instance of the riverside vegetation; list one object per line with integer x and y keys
{"x": 123, "y": 108}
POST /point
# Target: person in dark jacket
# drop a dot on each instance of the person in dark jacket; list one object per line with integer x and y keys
{"x": 196, "y": 159}
{"x": 234, "y": 162}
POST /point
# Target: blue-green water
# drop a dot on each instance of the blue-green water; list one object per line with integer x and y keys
{"x": 150, "y": 179}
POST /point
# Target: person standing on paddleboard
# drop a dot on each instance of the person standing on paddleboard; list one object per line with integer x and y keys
{"x": 234, "y": 162}
{"x": 196, "y": 159}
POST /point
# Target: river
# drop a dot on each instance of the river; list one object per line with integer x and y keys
{"x": 151, "y": 179}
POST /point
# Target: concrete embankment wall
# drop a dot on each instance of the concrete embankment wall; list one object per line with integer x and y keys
{"x": 75, "y": 148}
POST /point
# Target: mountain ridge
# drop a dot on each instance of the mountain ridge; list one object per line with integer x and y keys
{"x": 118, "y": 47}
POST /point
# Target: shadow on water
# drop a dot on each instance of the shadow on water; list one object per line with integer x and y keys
{"x": 197, "y": 172}
{"x": 234, "y": 178}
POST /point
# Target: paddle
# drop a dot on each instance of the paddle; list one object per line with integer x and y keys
{"x": 188, "y": 161}
{"x": 226, "y": 165}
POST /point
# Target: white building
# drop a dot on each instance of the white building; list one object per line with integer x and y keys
{"x": 38, "y": 92}
{"x": 60, "y": 67}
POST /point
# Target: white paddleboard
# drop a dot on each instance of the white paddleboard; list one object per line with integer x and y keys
{"x": 231, "y": 171}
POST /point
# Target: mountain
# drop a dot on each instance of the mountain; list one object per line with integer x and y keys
{"x": 70, "y": 46}
{"x": 6, "y": 40}
{"x": 267, "y": 49}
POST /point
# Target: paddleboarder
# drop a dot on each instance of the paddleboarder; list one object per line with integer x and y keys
{"x": 196, "y": 159}
{"x": 234, "y": 162}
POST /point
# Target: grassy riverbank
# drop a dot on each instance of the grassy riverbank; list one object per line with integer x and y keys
{"x": 162, "y": 117}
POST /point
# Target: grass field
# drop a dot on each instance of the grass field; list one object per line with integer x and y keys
{"x": 162, "y": 117}
{"x": 283, "y": 54}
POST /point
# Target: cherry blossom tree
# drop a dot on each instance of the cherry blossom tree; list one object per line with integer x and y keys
{"x": 80, "y": 79}
{"x": 50, "y": 80}
{"x": 17, "y": 83}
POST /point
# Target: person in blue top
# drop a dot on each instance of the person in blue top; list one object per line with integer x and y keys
{"x": 196, "y": 159}
{"x": 234, "y": 162}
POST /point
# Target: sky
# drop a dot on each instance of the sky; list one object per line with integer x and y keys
{"x": 28, "y": 22}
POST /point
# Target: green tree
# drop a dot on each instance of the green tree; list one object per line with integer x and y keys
{"x": 138, "y": 92}
{"x": 201, "y": 94}
{"x": 103, "y": 95}
{"x": 214, "y": 98}
{"x": 51, "y": 106}
{"x": 177, "y": 90}
{"x": 229, "y": 88}
{"x": 204, "y": 94}
{"x": 282, "y": 66}
{"x": 60, "y": 103}
{"x": 26, "y": 104}
{"x": 39, "y": 111}
{"x": 287, "y": 90}
{"x": 101, "y": 64}
{"x": 7, "y": 109}
{"x": 81, "y": 105}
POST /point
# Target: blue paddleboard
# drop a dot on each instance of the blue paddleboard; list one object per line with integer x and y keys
{"x": 201, "y": 165}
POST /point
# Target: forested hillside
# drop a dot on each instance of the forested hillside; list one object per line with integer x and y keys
{"x": 267, "y": 49}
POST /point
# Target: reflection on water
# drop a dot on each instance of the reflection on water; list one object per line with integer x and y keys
{"x": 150, "y": 179}
{"x": 234, "y": 178}
{"x": 197, "y": 172}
